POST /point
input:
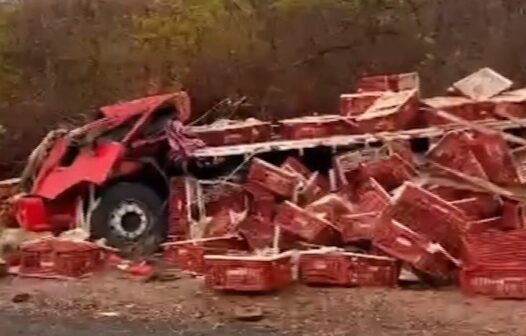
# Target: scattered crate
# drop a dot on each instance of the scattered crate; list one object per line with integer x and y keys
{"x": 234, "y": 133}
{"x": 328, "y": 267}
{"x": 357, "y": 103}
{"x": 357, "y": 227}
{"x": 429, "y": 215}
{"x": 494, "y": 282}
{"x": 274, "y": 179}
{"x": 36, "y": 257}
{"x": 402, "y": 243}
{"x": 249, "y": 273}
{"x": 316, "y": 127}
{"x": 305, "y": 225}
{"x": 396, "y": 82}
{"x": 189, "y": 255}
{"x": 77, "y": 259}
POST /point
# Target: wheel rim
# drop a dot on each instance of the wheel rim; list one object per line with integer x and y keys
{"x": 129, "y": 220}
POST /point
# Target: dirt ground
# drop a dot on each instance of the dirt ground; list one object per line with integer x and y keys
{"x": 111, "y": 299}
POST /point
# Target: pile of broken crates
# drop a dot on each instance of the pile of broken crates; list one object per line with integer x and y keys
{"x": 454, "y": 214}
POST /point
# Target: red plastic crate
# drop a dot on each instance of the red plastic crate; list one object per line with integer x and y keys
{"x": 371, "y": 197}
{"x": 236, "y": 133}
{"x": 221, "y": 196}
{"x": 261, "y": 202}
{"x": 315, "y": 188}
{"x": 431, "y": 216}
{"x": 357, "y": 103}
{"x": 478, "y": 207}
{"x": 316, "y": 127}
{"x": 347, "y": 269}
{"x": 513, "y": 216}
{"x": 294, "y": 165}
{"x": 402, "y": 243}
{"x": 76, "y": 259}
{"x": 483, "y": 225}
{"x": 189, "y": 255}
{"x": 391, "y": 172}
{"x": 330, "y": 207}
{"x": 305, "y": 225}
{"x": 258, "y": 231}
{"x": 495, "y": 248}
{"x": 54, "y": 258}
{"x": 395, "y": 82}
{"x": 274, "y": 179}
{"x": 495, "y": 156}
{"x": 454, "y": 151}
{"x": 357, "y": 227}
{"x": 391, "y": 112}
{"x": 403, "y": 149}
{"x": 36, "y": 257}
{"x": 497, "y": 282}
{"x": 461, "y": 107}
{"x": 249, "y": 273}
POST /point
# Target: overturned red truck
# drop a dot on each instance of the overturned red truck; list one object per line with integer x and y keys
{"x": 113, "y": 175}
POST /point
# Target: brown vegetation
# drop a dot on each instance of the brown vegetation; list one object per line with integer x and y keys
{"x": 59, "y": 60}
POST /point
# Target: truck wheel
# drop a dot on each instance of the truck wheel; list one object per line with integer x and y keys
{"x": 131, "y": 217}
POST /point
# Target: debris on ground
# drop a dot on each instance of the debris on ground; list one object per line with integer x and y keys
{"x": 21, "y": 298}
{"x": 248, "y": 314}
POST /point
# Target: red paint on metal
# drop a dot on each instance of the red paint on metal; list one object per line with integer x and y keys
{"x": 90, "y": 166}
{"x": 146, "y": 105}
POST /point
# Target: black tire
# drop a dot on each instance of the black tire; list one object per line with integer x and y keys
{"x": 131, "y": 217}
